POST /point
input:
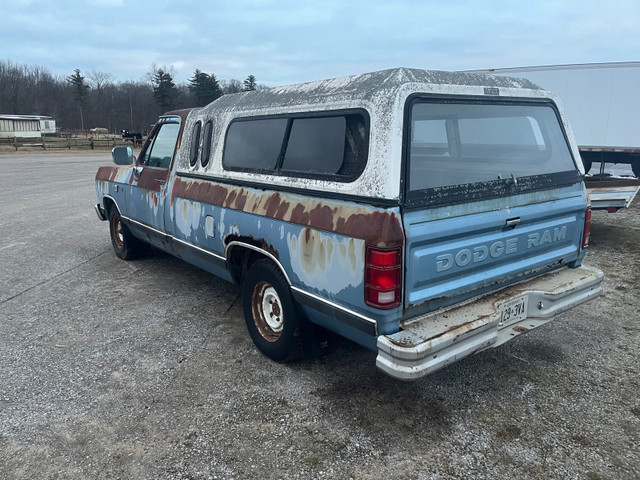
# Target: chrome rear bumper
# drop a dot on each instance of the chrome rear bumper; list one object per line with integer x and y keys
{"x": 445, "y": 336}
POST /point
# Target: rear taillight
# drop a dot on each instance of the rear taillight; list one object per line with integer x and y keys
{"x": 383, "y": 277}
{"x": 587, "y": 228}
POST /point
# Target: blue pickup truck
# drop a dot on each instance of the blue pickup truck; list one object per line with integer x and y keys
{"x": 426, "y": 215}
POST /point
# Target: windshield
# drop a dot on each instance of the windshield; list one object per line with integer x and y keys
{"x": 457, "y": 143}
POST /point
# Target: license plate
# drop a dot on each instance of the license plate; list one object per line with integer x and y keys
{"x": 513, "y": 311}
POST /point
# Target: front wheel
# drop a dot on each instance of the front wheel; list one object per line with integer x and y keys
{"x": 125, "y": 245}
{"x": 270, "y": 313}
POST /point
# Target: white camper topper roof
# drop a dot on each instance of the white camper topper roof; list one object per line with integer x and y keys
{"x": 382, "y": 94}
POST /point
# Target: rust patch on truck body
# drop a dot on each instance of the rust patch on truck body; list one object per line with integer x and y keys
{"x": 114, "y": 173}
{"x": 378, "y": 226}
{"x": 152, "y": 178}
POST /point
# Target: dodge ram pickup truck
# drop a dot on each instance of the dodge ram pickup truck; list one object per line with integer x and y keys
{"x": 426, "y": 215}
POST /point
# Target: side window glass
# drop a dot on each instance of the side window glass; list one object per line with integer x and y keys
{"x": 143, "y": 159}
{"x": 332, "y": 147}
{"x": 161, "y": 151}
{"x": 316, "y": 145}
{"x": 195, "y": 144}
{"x": 254, "y": 144}
{"x": 327, "y": 146}
{"x": 206, "y": 144}
{"x": 355, "y": 147}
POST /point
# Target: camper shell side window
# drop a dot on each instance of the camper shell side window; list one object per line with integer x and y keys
{"x": 195, "y": 143}
{"x": 331, "y": 145}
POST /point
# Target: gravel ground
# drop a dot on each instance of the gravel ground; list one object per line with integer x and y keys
{"x": 144, "y": 369}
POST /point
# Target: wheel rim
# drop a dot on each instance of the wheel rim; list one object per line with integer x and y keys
{"x": 267, "y": 311}
{"x": 118, "y": 234}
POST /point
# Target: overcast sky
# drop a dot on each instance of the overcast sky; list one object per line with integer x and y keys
{"x": 282, "y": 42}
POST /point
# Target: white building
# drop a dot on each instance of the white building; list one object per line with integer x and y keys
{"x": 26, "y": 126}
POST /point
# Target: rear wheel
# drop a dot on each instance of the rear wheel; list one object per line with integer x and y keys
{"x": 126, "y": 246}
{"x": 270, "y": 313}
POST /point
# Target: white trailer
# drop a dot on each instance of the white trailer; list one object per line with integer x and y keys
{"x": 26, "y": 126}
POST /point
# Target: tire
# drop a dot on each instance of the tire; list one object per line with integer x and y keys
{"x": 125, "y": 245}
{"x": 270, "y": 312}
{"x": 635, "y": 167}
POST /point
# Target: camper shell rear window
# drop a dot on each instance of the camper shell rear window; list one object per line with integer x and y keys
{"x": 460, "y": 150}
{"x": 331, "y": 145}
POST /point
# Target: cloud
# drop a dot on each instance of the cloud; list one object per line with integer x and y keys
{"x": 290, "y": 41}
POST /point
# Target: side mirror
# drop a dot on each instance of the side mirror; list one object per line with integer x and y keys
{"x": 122, "y": 155}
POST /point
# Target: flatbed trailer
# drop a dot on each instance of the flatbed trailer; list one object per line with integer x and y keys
{"x": 611, "y": 193}
{"x": 603, "y": 105}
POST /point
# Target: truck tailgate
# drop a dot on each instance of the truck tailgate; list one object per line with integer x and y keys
{"x": 451, "y": 259}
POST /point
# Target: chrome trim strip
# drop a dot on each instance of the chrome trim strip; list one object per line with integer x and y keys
{"x": 349, "y": 317}
{"x": 257, "y": 249}
{"x": 199, "y": 249}
{"x": 113, "y": 200}
{"x": 145, "y": 226}
{"x": 171, "y": 238}
{"x": 334, "y": 305}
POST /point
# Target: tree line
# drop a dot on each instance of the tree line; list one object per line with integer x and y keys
{"x": 81, "y": 101}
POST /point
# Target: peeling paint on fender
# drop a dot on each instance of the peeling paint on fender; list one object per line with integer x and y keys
{"x": 326, "y": 261}
{"x": 187, "y": 217}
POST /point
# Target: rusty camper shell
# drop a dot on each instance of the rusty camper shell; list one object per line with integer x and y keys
{"x": 307, "y": 196}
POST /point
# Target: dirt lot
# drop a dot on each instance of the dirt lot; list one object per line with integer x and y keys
{"x": 112, "y": 369}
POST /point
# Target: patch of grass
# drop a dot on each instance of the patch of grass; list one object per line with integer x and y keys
{"x": 313, "y": 461}
{"x": 508, "y": 433}
{"x": 581, "y": 440}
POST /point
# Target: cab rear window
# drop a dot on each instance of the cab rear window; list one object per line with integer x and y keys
{"x": 485, "y": 147}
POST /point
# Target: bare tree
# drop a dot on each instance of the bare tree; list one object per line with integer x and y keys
{"x": 100, "y": 80}
{"x": 14, "y": 81}
{"x": 231, "y": 86}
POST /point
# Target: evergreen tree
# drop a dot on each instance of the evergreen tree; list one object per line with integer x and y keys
{"x": 103, "y": 101}
{"x": 250, "y": 83}
{"x": 205, "y": 87}
{"x": 164, "y": 90}
{"x": 80, "y": 90}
